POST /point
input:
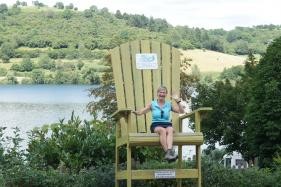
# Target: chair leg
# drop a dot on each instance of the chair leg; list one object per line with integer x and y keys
{"x": 198, "y": 164}
{"x": 179, "y": 181}
{"x": 116, "y": 165}
{"x": 129, "y": 166}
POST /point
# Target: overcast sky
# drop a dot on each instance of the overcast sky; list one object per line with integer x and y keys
{"x": 208, "y": 14}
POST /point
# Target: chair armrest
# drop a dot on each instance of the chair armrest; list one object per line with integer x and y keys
{"x": 121, "y": 113}
{"x": 197, "y": 114}
{"x": 203, "y": 109}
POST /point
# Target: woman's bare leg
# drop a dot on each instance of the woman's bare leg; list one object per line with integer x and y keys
{"x": 169, "y": 139}
{"x": 163, "y": 137}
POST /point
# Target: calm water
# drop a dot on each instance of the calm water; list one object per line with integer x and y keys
{"x": 28, "y": 106}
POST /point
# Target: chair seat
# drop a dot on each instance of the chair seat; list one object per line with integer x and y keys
{"x": 153, "y": 138}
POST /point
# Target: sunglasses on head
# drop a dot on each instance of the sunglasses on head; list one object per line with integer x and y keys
{"x": 162, "y": 113}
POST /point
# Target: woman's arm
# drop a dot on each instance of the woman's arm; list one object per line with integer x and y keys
{"x": 178, "y": 108}
{"x": 143, "y": 111}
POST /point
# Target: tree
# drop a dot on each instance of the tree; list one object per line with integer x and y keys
{"x": 23, "y": 3}
{"x": 225, "y": 123}
{"x": 7, "y": 51}
{"x": 88, "y": 13}
{"x": 118, "y": 14}
{"x": 107, "y": 103}
{"x": 233, "y": 73}
{"x": 37, "y": 4}
{"x": 67, "y": 14}
{"x": 91, "y": 76}
{"x": 37, "y": 76}
{"x": 45, "y": 62}
{"x": 70, "y": 6}
{"x": 3, "y": 8}
{"x": 214, "y": 44}
{"x": 26, "y": 64}
{"x": 59, "y": 5}
{"x": 263, "y": 111}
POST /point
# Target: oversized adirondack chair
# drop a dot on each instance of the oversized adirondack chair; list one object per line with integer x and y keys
{"x": 134, "y": 89}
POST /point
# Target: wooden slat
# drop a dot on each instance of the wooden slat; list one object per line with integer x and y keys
{"x": 138, "y": 82}
{"x": 117, "y": 73}
{"x": 149, "y": 174}
{"x": 147, "y": 83}
{"x": 153, "y": 139}
{"x": 128, "y": 82}
{"x": 166, "y": 64}
{"x": 121, "y": 175}
{"x": 156, "y": 74}
{"x": 118, "y": 79}
{"x": 175, "y": 83}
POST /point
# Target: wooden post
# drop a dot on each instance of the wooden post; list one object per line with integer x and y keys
{"x": 129, "y": 166}
{"x": 179, "y": 181}
{"x": 198, "y": 164}
{"x": 116, "y": 164}
{"x": 129, "y": 153}
{"x": 197, "y": 122}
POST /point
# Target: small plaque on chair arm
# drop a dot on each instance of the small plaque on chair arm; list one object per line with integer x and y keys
{"x": 165, "y": 174}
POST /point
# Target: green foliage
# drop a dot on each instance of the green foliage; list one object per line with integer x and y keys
{"x": 3, "y": 72}
{"x": 225, "y": 123}
{"x": 67, "y": 14}
{"x": 26, "y": 64}
{"x": 262, "y": 112}
{"x": 37, "y": 76}
{"x": 107, "y": 103}
{"x": 7, "y": 51}
{"x": 99, "y": 29}
{"x": 234, "y": 73}
{"x": 59, "y": 5}
{"x": 91, "y": 76}
{"x": 73, "y": 145}
{"x": 15, "y": 67}
{"x": 45, "y": 62}
{"x": 3, "y": 8}
{"x": 11, "y": 78}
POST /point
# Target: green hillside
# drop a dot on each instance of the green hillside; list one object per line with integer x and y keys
{"x": 57, "y": 46}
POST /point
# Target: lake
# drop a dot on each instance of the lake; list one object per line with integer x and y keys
{"x": 29, "y": 106}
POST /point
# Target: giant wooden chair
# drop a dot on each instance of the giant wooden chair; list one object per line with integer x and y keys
{"x": 134, "y": 89}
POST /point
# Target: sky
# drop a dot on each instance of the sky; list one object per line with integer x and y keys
{"x": 208, "y": 14}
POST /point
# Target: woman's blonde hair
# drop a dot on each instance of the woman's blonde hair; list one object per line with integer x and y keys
{"x": 162, "y": 88}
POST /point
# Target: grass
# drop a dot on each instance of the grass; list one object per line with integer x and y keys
{"x": 211, "y": 61}
{"x": 33, "y": 49}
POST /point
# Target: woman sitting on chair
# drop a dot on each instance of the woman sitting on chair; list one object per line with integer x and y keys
{"x": 161, "y": 122}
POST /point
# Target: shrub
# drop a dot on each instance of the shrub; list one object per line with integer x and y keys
{"x": 3, "y": 72}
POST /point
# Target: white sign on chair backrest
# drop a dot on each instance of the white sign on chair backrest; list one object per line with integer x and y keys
{"x": 146, "y": 61}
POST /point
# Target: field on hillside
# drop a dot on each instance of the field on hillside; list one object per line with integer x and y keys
{"x": 211, "y": 61}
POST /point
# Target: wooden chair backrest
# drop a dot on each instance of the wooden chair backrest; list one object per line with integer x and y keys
{"x": 136, "y": 88}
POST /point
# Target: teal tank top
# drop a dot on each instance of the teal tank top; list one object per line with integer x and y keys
{"x": 161, "y": 115}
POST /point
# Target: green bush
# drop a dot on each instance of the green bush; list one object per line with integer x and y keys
{"x": 3, "y": 72}
{"x": 74, "y": 145}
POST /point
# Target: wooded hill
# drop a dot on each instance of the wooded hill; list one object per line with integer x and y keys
{"x": 99, "y": 29}
{"x": 63, "y": 32}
